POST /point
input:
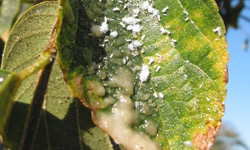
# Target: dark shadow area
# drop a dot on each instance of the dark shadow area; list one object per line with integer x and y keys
{"x": 2, "y": 147}
{"x": 1, "y": 51}
{"x": 54, "y": 133}
{"x": 230, "y": 14}
{"x": 115, "y": 146}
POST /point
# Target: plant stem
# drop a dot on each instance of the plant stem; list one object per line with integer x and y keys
{"x": 44, "y": 60}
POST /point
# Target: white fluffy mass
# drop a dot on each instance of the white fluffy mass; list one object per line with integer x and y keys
{"x": 144, "y": 74}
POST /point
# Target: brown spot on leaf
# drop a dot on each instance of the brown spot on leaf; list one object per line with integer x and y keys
{"x": 160, "y": 60}
{"x": 78, "y": 82}
{"x": 226, "y": 75}
{"x": 205, "y": 141}
{"x": 5, "y": 36}
{"x": 82, "y": 100}
{"x": 64, "y": 71}
{"x": 181, "y": 29}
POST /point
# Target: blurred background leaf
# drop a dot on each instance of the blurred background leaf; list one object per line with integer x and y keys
{"x": 229, "y": 139}
{"x": 229, "y": 12}
{"x": 9, "y": 12}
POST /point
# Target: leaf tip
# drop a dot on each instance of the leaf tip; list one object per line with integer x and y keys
{"x": 205, "y": 141}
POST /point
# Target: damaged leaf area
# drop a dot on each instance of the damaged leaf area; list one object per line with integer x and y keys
{"x": 153, "y": 73}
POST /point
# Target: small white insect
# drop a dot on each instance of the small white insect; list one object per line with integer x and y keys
{"x": 116, "y": 9}
{"x": 158, "y": 68}
{"x": 163, "y": 31}
{"x": 187, "y": 19}
{"x": 185, "y": 12}
{"x": 161, "y": 95}
{"x": 143, "y": 37}
{"x": 173, "y": 40}
{"x": 122, "y": 24}
{"x": 164, "y": 10}
{"x": 136, "y": 12}
{"x": 104, "y": 27}
{"x": 114, "y": 34}
{"x": 218, "y": 30}
{"x": 151, "y": 61}
{"x": 144, "y": 74}
{"x": 155, "y": 95}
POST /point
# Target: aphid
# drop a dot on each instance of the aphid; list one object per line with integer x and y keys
{"x": 116, "y": 9}
{"x": 187, "y": 19}
{"x": 218, "y": 30}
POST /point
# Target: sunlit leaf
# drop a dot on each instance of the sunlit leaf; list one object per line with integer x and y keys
{"x": 153, "y": 73}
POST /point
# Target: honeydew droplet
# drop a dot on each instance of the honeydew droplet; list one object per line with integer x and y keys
{"x": 123, "y": 79}
{"x": 145, "y": 109}
{"x": 153, "y": 105}
{"x": 102, "y": 74}
{"x": 98, "y": 90}
{"x": 150, "y": 127}
{"x": 116, "y": 61}
{"x": 124, "y": 135}
{"x": 117, "y": 53}
{"x": 95, "y": 30}
{"x": 109, "y": 100}
{"x": 145, "y": 97}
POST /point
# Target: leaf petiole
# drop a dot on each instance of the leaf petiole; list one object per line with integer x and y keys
{"x": 44, "y": 60}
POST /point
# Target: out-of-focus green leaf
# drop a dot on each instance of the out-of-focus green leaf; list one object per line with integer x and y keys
{"x": 153, "y": 73}
{"x": 9, "y": 10}
{"x": 9, "y": 83}
{"x": 64, "y": 124}
{"x": 245, "y": 44}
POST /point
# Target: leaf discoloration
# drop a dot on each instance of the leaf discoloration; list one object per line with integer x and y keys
{"x": 204, "y": 141}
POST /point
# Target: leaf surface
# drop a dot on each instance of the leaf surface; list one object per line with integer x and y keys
{"x": 64, "y": 124}
{"x": 152, "y": 72}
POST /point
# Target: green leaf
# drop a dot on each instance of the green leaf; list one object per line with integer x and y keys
{"x": 154, "y": 74}
{"x": 9, "y": 83}
{"x": 29, "y": 37}
{"x": 64, "y": 124}
{"x": 9, "y": 10}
